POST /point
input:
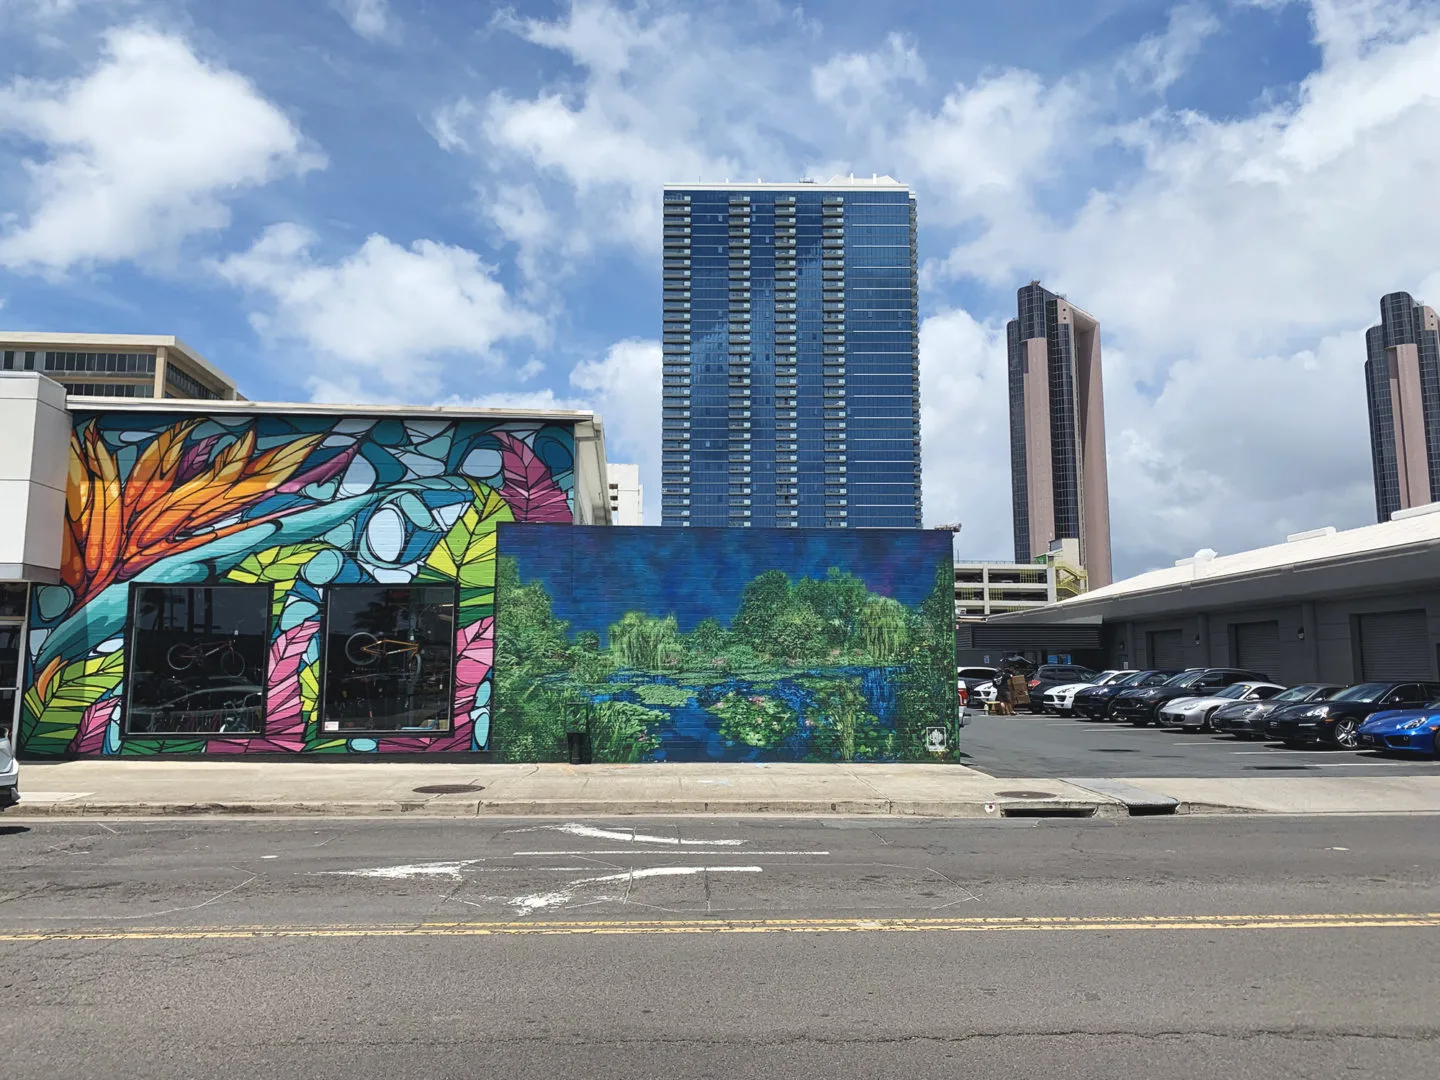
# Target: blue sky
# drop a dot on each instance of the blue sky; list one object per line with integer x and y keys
{"x": 376, "y": 200}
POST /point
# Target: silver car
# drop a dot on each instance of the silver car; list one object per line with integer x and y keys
{"x": 1195, "y": 712}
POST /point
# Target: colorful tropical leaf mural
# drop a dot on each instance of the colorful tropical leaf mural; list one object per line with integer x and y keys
{"x": 300, "y": 505}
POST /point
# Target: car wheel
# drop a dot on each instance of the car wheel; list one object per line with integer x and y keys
{"x": 1206, "y": 724}
{"x": 1347, "y": 734}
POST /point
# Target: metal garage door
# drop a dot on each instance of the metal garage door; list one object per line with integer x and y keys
{"x": 1167, "y": 649}
{"x": 1257, "y": 647}
{"x": 1394, "y": 645}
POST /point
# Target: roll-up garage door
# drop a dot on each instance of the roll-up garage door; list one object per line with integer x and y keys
{"x": 1257, "y": 647}
{"x": 1394, "y": 645}
{"x": 1167, "y": 649}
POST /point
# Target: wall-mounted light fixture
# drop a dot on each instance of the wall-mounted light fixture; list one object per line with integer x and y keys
{"x": 1300, "y": 633}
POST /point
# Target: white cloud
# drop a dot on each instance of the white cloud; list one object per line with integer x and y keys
{"x": 965, "y": 431}
{"x": 383, "y": 317}
{"x": 988, "y": 144}
{"x": 1156, "y": 62}
{"x": 852, "y": 82}
{"x": 142, "y": 152}
{"x": 371, "y": 19}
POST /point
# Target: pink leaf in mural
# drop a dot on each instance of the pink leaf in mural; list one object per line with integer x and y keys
{"x": 284, "y": 714}
{"x": 328, "y": 470}
{"x": 530, "y": 489}
{"x": 196, "y": 459}
{"x": 474, "y": 651}
{"x": 90, "y": 736}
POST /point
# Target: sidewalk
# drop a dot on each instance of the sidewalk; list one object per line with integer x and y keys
{"x": 148, "y": 788}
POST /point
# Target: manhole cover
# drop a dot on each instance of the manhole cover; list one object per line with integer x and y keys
{"x": 1024, "y": 795}
{"x": 447, "y": 789}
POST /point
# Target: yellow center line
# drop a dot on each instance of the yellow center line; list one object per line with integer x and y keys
{"x": 1104, "y": 923}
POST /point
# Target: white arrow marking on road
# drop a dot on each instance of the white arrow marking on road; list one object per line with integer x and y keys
{"x": 630, "y": 836}
{"x": 748, "y": 853}
{"x": 541, "y": 901}
{"x": 452, "y": 869}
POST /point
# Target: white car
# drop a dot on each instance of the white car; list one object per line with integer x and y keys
{"x": 968, "y": 681}
{"x": 1060, "y": 700}
{"x": 1195, "y": 712}
{"x": 9, "y": 775}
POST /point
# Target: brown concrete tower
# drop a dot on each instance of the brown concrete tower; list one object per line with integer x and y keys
{"x": 1060, "y": 488}
{"x": 1402, "y": 385}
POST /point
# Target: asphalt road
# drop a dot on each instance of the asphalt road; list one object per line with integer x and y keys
{"x": 1040, "y": 745}
{"x": 1228, "y": 947}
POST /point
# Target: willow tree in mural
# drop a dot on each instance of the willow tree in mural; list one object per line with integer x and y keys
{"x": 299, "y": 505}
{"x": 674, "y": 644}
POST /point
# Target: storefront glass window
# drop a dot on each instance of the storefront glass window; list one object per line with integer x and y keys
{"x": 9, "y": 674}
{"x": 12, "y": 601}
{"x": 198, "y": 660}
{"x": 389, "y": 657}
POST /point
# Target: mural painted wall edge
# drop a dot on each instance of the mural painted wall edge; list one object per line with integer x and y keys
{"x": 301, "y": 505}
{"x": 689, "y": 644}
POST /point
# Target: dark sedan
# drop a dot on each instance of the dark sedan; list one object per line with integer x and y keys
{"x": 1337, "y": 722}
{"x": 1093, "y": 703}
{"x": 1141, "y": 707}
{"x": 1246, "y": 719}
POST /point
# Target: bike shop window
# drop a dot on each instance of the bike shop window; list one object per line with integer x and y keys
{"x": 197, "y": 662}
{"x": 389, "y": 658}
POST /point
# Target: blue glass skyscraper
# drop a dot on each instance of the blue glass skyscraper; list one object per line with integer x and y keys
{"x": 791, "y": 355}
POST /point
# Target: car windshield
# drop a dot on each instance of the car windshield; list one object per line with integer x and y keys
{"x": 1186, "y": 678}
{"x": 1366, "y": 692}
{"x": 1115, "y": 677}
{"x": 1295, "y": 693}
{"x": 1155, "y": 678}
{"x": 1238, "y": 690}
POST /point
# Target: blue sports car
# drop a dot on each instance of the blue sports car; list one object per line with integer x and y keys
{"x": 1410, "y": 731}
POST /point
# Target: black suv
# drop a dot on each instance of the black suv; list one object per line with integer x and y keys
{"x": 1048, "y": 675}
{"x": 1142, "y": 707}
{"x": 1094, "y": 702}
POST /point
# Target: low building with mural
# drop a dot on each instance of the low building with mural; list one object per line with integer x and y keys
{"x": 200, "y": 578}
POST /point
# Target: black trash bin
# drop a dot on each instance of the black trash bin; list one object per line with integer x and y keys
{"x": 579, "y": 743}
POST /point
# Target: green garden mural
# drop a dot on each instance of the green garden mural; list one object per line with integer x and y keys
{"x": 724, "y": 644}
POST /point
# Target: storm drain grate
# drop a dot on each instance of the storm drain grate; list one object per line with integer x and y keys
{"x": 447, "y": 789}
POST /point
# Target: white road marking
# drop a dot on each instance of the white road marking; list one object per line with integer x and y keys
{"x": 453, "y": 869}
{"x": 533, "y": 902}
{"x": 747, "y": 854}
{"x": 590, "y": 832}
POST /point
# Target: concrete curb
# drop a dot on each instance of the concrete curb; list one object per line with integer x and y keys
{"x": 464, "y": 808}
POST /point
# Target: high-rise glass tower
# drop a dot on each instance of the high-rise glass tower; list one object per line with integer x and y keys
{"x": 1402, "y": 387}
{"x": 1059, "y": 483}
{"x": 791, "y": 355}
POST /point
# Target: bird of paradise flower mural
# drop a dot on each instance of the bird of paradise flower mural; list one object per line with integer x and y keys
{"x": 299, "y": 505}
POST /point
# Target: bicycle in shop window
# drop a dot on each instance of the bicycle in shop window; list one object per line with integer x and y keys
{"x": 208, "y": 655}
{"x": 389, "y": 655}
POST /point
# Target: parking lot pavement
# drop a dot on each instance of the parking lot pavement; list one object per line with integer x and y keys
{"x": 1040, "y": 745}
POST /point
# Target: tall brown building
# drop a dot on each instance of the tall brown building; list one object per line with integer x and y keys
{"x": 1402, "y": 386}
{"x": 1057, "y": 431}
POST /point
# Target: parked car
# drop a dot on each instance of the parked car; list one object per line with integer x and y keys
{"x": 968, "y": 680}
{"x": 9, "y": 773}
{"x": 1060, "y": 700}
{"x": 1142, "y": 707}
{"x": 1047, "y": 676}
{"x": 1246, "y": 719}
{"x": 1094, "y": 703}
{"x": 1405, "y": 731}
{"x": 1337, "y": 722}
{"x": 1195, "y": 712}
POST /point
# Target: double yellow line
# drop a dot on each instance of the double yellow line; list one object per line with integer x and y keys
{"x": 1100, "y": 923}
